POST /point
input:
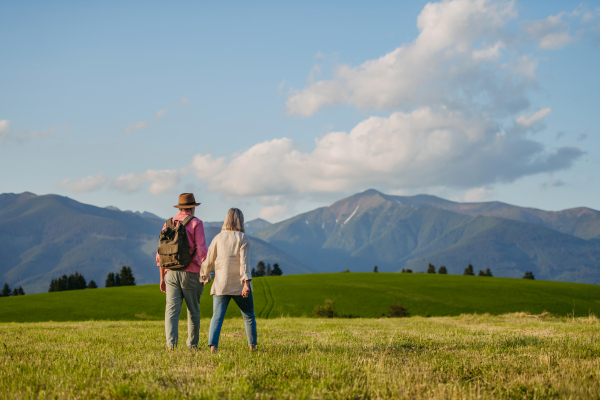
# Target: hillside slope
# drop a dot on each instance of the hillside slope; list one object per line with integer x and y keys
{"x": 363, "y": 294}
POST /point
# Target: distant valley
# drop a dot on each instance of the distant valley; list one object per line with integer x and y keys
{"x": 43, "y": 237}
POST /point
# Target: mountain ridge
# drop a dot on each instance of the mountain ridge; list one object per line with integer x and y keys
{"x": 44, "y": 237}
{"x": 371, "y": 228}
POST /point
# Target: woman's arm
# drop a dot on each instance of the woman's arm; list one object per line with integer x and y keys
{"x": 245, "y": 274}
{"x": 209, "y": 262}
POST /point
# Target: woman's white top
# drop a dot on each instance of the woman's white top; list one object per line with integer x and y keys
{"x": 228, "y": 255}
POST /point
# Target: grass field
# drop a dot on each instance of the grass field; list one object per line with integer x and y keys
{"x": 364, "y": 294}
{"x": 471, "y": 356}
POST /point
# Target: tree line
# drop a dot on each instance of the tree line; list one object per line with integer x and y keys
{"x": 468, "y": 271}
{"x": 266, "y": 270}
{"x": 123, "y": 278}
{"x": 77, "y": 281}
{"x": 74, "y": 281}
{"x": 6, "y": 292}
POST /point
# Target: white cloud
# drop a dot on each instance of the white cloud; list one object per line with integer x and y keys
{"x": 161, "y": 113}
{"x": 528, "y": 122}
{"x": 551, "y": 32}
{"x": 274, "y": 213}
{"x": 5, "y": 129}
{"x": 84, "y": 185}
{"x": 22, "y": 136}
{"x": 160, "y": 181}
{"x": 136, "y": 127}
{"x": 488, "y": 54}
{"x": 441, "y": 66}
{"x": 425, "y": 148}
{"x": 476, "y": 195}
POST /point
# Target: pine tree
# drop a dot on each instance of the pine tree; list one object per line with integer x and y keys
{"x": 469, "y": 270}
{"x": 77, "y": 281}
{"x": 481, "y": 273}
{"x": 276, "y": 270}
{"x": 260, "y": 269}
{"x": 92, "y": 285}
{"x": 375, "y": 269}
{"x": 6, "y": 290}
{"x": 253, "y": 272}
{"x": 126, "y": 277}
{"x": 488, "y": 272}
{"x": 443, "y": 270}
{"x": 131, "y": 277}
{"x": 21, "y": 291}
{"x": 528, "y": 275}
{"x": 431, "y": 269}
{"x": 15, "y": 292}
{"x": 63, "y": 283}
{"x": 268, "y": 271}
{"x": 110, "y": 280}
{"x": 117, "y": 280}
{"x": 53, "y": 286}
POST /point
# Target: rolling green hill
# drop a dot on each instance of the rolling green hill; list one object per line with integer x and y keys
{"x": 362, "y": 294}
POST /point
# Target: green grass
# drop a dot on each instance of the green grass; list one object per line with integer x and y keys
{"x": 472, "y": 356}
{"x": 363, "y": 294}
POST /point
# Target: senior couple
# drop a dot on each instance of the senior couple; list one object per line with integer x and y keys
{"x": 185, "y": 264}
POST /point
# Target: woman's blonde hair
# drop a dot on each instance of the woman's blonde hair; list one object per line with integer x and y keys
{"x": 234, "y": 220}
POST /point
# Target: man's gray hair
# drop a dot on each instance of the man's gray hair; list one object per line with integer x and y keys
{"x": 234, "y": 220}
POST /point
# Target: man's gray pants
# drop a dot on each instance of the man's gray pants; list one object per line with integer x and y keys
{"x": 183, "y": 285}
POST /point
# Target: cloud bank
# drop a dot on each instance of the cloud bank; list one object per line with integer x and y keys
{"x": 458, "y": 116}
{"x": 427, "y": 147}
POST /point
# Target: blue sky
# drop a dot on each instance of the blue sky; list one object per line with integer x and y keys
{"x": 278, "y": 108}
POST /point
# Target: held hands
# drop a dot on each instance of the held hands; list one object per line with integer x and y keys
{"x": 205, "y": 279}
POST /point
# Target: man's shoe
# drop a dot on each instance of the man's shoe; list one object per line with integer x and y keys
{"x": 170, "y": 347}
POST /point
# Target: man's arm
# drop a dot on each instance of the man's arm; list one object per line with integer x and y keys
{"x": 163, "y": 285}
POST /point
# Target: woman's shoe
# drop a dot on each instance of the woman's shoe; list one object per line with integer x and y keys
{"x": 213, "y": 349}
{"x": 252, "y": 348}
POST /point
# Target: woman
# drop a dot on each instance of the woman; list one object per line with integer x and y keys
{"x": 228, "y": 255}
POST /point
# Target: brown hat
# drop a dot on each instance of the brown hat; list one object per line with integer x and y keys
{"x": 187, "y": 200}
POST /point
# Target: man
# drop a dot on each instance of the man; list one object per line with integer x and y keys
{"x": 184, "y": 283}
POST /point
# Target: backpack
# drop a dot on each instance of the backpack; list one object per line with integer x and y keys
{"x": 173, "y": 245}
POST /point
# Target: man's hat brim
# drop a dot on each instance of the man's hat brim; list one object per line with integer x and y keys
{"x": 187, "y": 205}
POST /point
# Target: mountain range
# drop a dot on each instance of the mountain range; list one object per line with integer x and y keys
{"x": 43, "y": 237}
{"x": 395, "y": 232}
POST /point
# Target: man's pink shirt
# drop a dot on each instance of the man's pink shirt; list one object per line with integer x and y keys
{"x": 195, "y": 234}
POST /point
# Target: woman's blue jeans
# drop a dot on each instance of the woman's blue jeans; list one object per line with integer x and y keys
{"x": 220, "y": 304}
